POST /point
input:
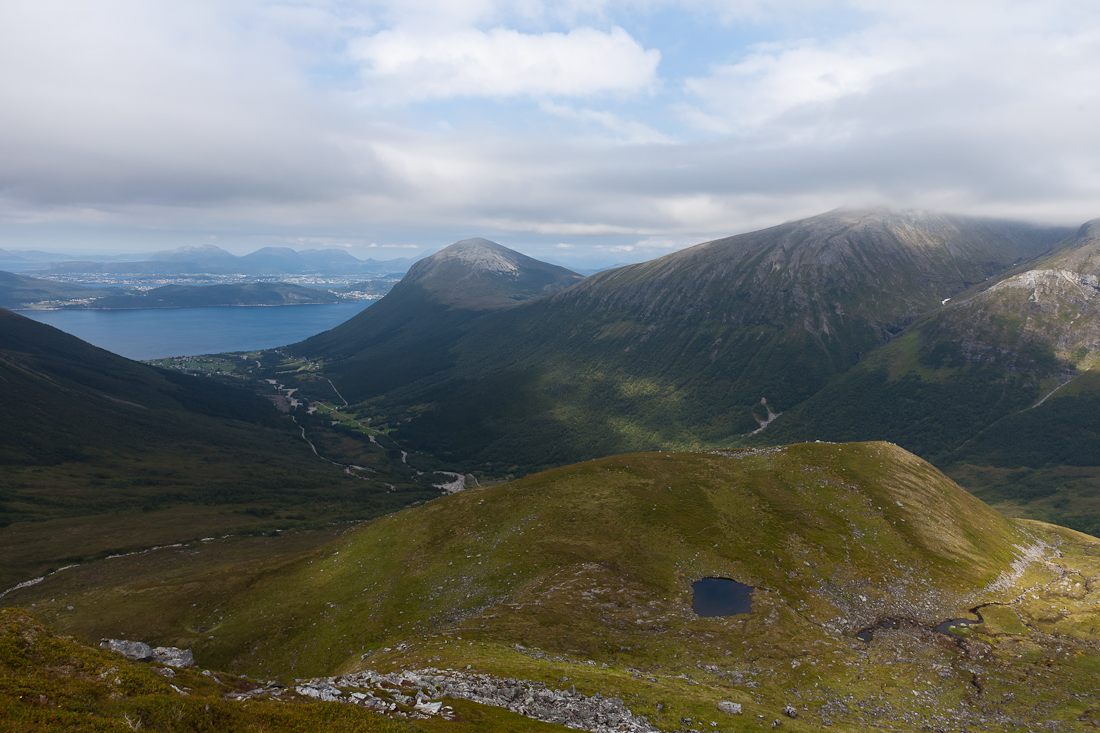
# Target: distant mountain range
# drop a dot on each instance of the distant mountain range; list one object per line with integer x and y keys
{"x": 206, "y": 259}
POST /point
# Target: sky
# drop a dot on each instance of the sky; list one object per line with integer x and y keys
{"x": 585, "y": 133}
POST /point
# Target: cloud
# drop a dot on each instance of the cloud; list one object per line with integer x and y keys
{"x": 402, "y": 66}
{"x": 778, "y": 77}
{"x": 628, "y": 131}
{"x": 595, "y": 123}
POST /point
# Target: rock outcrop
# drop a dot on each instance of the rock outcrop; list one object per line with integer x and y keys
{"x": 424, "y": 691}
{"x": 139, "y": 651}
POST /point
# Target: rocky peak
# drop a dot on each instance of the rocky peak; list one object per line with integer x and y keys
{"x": 481, "y": 255}
{"x": 478, "y": 274}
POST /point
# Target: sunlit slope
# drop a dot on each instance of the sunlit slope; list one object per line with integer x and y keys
{"x": 51, "y": 683}
{"x": 847, "y": 533}
{"x": 582, "y": 576}
{"x": 676, "y": 352}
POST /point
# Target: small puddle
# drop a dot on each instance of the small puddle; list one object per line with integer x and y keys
{"x": 949, "y": 626}
{"x": 869, "y": 633}
{"x": 721, "y": 597}
{"x": 946, "y": 627}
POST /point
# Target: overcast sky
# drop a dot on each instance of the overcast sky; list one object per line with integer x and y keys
{"x": 582, "y": 131}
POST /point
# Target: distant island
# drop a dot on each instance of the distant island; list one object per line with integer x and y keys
{"x": 21, "y": 292}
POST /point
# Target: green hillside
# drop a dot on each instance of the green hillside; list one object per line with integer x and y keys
{"x": 583, "y": 576}
{"x": 23, "y": 291}
{"x": 51, "y": 683}
{"x": 192, "y": 296}
{"x": 676, "y": 352}
{"x": 100, "y": 454}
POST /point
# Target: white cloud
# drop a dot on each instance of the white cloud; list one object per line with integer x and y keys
{"x": 778, "y": 77}
{"x": 400, "y": 66}
{"x": 628, "y": 131}
{"x": 280, "y": 119}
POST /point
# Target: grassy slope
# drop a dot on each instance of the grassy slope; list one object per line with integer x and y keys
{"x": 50, "y": 682}
{"x": 99, "y": 454}
{"x": 595, "y": 562}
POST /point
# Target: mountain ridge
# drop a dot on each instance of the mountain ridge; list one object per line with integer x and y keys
{"x": 675, "y": 352}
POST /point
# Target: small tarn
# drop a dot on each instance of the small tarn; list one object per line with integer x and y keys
{"x": 721, "y": 597}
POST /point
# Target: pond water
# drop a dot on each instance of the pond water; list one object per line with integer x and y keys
{"x": 950, "y": 625}
{"x": 869, "y": 633}
{"x": 159, "y": 332}
{"x": 721, "y": 597}
{"x": 946, "y": 627}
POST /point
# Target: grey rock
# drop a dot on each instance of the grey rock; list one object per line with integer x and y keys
{"x": 730, "y": 708}
{"x": 136, "y": 650}
{"x": 171, "y": 656}
{"x": 790, "y": 712}
{"x": 319, "y": 691}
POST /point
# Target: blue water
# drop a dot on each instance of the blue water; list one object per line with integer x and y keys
{"x": 721, "y": 597}
{"x": 159, "y": 332}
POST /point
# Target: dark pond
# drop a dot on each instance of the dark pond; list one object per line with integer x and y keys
{"x": 721, "y": 597}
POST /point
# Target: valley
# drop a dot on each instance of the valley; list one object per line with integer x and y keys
{"x": 486, "y": 501}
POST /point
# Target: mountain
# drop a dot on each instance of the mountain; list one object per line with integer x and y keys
{"x": 211, "y": 260}
{"x": 999, "y": 387}
{"x": 411, "y": 329}
{"x": 21, "y": 291}
{"x": 193, "y": 253}
{"x": 476, "y": 274}
{"x": 579, "y": 584}
{"x": 99, "y": 453}
{"x": 695, "y": 348}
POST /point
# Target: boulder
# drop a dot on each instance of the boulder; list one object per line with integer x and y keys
{"x": 730, "y": 708}
{"x": 136, "y": 650}
{"x": 171, "y": 656}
